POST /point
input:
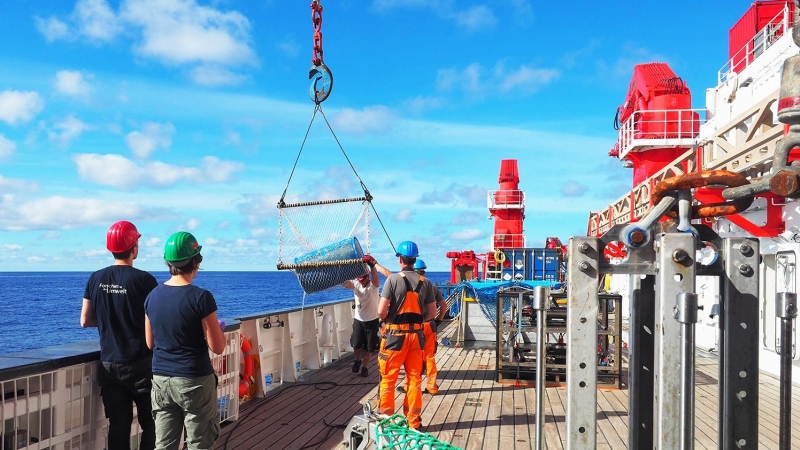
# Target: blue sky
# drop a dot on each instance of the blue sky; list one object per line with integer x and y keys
{"x": 188, "y": 115}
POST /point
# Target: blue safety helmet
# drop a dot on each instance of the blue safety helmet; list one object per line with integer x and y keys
{"x": 420, "y": 265}
{"x": 407, "y": 249}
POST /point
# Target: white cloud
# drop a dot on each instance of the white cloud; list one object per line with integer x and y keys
{"x": 480, "y": 82}
{"x": 475, "y": 18}
{"x": 211, "y": 76}
{"x": 12, "y": 247}
{"x": 370, "y": 120}
{"x": 469, "y": 234}
{"x": 288, "y": 46}
{"x": 51, "y": 234}
{"x": 472, "y": 18}
{"x": 211, "y": 241}
{"x": 151, "y": 137}
{"x": 8, "y": 185}
{"x": 17, "y": 106}
{"x": 73, "y": 83}
{"x": 222, "y": 225}
{"x": 96, "y": 20}
{"x": 51, "y": 28}
{"x": 192, "y": 224}
{"x": 36, "y": 259}
{"x": 120, "y": 172}
{"x": 245, "y": 243}
{"x": 472, "y": 195}
{"x": 527, "y": 80}
{"x": 218, "y": 171}
{"x": 260, "y": 232}
{"x": 68, "y": 129}
{"x": 405, "y": 215}
{"x": 152, "y": 242}
{"x": 420, "y": 104}
{"x": 173, "y": 32}
{"x": 58, "y": 213}
{"x": 469, "y": 218}
{"x": 573, "y": 189}
{"x": 181, "y": 31}
{"x": 7, "y": 147}
{"x": 232, "y": 137}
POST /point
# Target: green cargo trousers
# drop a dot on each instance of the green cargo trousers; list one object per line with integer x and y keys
{"x": 185, "y": 402}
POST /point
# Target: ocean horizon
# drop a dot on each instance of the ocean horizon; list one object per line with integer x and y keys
{"x": 42, "y": 309}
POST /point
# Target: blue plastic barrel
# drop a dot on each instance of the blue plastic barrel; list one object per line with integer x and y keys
{"x": 315, "y": 279}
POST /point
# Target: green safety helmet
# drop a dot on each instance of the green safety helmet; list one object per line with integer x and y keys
{"x": 181, "y": 247}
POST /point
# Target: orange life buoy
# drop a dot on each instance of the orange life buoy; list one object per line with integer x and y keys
{"x": 246, "y": 376}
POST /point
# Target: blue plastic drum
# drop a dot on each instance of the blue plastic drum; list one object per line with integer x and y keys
{"x": 315, "y": 279}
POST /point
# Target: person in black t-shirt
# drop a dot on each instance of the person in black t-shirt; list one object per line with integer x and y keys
{"x": 114, "y": 303}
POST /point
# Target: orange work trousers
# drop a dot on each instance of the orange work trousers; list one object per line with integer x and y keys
{"x": 401, "y": 349}
{"x": 429, "y": 360}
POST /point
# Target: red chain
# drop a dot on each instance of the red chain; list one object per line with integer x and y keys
{"x": 316, "y": 19}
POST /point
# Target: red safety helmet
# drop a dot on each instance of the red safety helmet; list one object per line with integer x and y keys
{"x": 121, "y": 236}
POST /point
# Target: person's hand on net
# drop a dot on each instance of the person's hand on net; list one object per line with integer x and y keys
{"x": 370, "y": 260}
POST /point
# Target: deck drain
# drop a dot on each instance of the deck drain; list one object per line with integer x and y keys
{"x": 473, "y": 402}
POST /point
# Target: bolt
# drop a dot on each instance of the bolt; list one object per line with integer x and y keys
{"x": 583, "y": 248}
{"x": 637, "y": 237}
{"x": 745, "y": 269}
{"x": 583, "y": 319}
{"x": 680, "y": 256}
{"x": 584, "y": 266}
{"x": 791, "y": 311}
{"x": 784, "y": 183}
{"x": 746, "y": 249}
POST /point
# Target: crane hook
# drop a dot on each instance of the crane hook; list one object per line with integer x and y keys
{"x": 321, "y": 84}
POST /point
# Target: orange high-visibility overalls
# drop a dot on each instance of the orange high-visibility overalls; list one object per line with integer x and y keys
{"x": 402, "y": 346}
{"x": 429, "y": 358}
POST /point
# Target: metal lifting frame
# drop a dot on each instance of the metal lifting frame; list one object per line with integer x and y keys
{"x": 661, "y": 342}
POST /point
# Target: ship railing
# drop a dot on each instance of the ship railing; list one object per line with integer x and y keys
{"x": 651, "y": 129}
{"x": 634, "y": 205}
{"x": 50, "y": 397}
{"x": 777, "y": 27}
{"x": 506, "y": 199}
{"x": 507, "y": 240}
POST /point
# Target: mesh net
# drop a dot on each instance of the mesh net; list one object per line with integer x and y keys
{"x": 393, "y": 433}
{"x": 322, "y": 243}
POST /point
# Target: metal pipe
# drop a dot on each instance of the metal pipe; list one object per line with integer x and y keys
{"x": 786, "y": 310}
{"x": 686, "y": 314}
{"x": 541, "y": 303}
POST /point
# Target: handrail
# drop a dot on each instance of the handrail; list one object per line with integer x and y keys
{"x": 777, "y": 27}
{"x": 654, "y": 128}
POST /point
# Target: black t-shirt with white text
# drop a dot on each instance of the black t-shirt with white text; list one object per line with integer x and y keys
{"x": 117, "y": 295}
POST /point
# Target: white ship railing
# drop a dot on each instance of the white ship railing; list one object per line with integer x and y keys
{"x": 50, "y": 398}
{"x": 506, "y": 199}
{"x": 778, "y": 26}
{"x": 650, "y": 129}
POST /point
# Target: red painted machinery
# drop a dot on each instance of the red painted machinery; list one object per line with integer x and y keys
{"x": 656, "y": 115}
{"x": 507, "y": 207}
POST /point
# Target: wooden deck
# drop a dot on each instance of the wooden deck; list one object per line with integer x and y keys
{"x": 471, "y": 411}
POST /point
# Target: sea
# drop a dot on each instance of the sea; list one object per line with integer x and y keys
{"x": 42, "y": 309}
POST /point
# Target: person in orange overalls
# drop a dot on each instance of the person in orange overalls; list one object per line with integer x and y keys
{"x": 407, "y": 301}
{"x": 429, "y": 330}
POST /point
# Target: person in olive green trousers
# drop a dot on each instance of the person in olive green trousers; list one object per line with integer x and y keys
{"x": 181, "y": 325}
